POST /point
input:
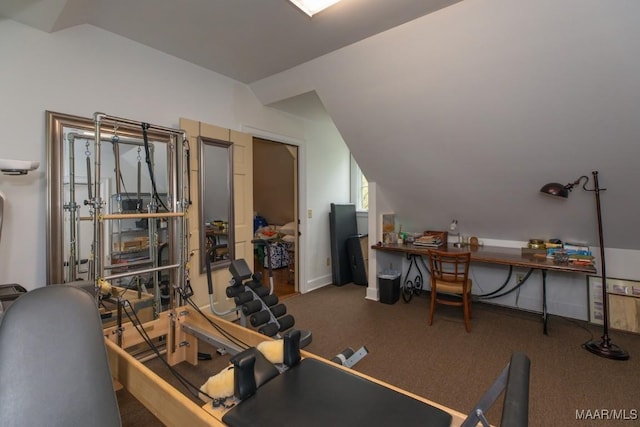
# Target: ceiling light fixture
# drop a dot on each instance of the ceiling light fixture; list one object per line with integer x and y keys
{"x": 311, "y": 7}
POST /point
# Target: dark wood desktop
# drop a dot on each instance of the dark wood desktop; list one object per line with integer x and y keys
{"x": 512, "y": 257}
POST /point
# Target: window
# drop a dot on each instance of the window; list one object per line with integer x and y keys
{"x": 359, "y": 187}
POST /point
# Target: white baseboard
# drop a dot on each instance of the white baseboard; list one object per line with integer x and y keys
{"x": 571, "y": 311}
{"x": 372, "y": 294}
{"x": 317, "y": 283}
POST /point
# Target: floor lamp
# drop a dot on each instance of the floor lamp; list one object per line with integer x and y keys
{"x": 604, "y": 347}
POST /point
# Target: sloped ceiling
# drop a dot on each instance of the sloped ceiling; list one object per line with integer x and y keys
{"x": 456, "y": 109}
{"x": 465, "y": 113}
{"x": 246, "y": 40}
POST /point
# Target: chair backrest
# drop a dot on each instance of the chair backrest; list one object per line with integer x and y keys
{"x": 452, "y": 267}
{"x": 54, "y": 369}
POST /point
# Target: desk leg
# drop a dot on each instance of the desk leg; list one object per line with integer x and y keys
{"x": 544, "y": 302}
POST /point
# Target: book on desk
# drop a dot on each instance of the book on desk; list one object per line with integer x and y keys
{"x": 429, "y": 241}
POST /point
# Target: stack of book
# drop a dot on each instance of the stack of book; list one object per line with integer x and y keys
{"x": 430, "y": 241}
{"x": 577, "y": 253}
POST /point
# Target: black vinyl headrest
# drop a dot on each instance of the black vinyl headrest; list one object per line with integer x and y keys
{"x": 251, "y": 370}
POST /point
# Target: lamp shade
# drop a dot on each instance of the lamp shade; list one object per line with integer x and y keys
{"x": 555, "y": 189}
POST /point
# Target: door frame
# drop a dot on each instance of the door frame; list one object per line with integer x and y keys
{"x": 301, "y": 243}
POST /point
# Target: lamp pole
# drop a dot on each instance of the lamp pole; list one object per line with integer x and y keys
{"x": 603, "y": 347}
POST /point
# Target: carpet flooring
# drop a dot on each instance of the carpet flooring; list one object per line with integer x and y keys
{"x": 446, "y": 364}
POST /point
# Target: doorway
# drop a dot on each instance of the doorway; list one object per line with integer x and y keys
{"x": 275, "y": 204}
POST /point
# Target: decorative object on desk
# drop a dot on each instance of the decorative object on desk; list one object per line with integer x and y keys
{"x": 388, "y": 222}
{"x": 453, "y": 227}
{"x": 473, "y": 241}
{"x": 604, "y": 347}
{"x": 530, "y": 251}
{"x": 536, "y": 244}
{"x": 535, "y": 247}
{"x": 553, "y": 243}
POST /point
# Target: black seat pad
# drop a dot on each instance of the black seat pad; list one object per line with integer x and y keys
{"x": 315, "y": 393}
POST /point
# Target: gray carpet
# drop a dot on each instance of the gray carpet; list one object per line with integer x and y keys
{"x": 446, "y": 364}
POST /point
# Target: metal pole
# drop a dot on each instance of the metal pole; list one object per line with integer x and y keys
{"x": 97, "y": 206}
{"x": 137, "y": 123}
{"x": 71, "y": 276}
{"x": 604, "y": 347}
{"x": 142, "y": 271}
{"x": 142, "y": 215}
{"x": 603, "y": 265}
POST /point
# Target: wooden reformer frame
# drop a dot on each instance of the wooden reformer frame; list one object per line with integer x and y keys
{"x": 167, "y": 403}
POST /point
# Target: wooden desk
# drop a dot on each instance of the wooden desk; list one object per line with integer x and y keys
{"x": 511, "y": 257}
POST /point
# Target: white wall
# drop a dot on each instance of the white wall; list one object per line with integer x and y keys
{"x": 567, "y": 293}
{"x": 468, "y": 111}
{"x": 328, "y": 180}
{"x": 83, "y": 70}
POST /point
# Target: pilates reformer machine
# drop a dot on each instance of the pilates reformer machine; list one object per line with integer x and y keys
{"x": 304, "y": 390}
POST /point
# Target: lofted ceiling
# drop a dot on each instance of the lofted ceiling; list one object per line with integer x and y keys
{"x": 456, "y": 109}
{"x": 246, "y": 40}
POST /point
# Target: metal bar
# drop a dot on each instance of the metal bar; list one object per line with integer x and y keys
{"x": 142, "y": 215}
{"x": 142, "y": 271}
{"x": 71, "y": 277}
{"x": 107, "y": 138}
{"x": 487, "y": 399}
{"x": 96, "y": 207}
{"x": 545, "y": 315}
{"x": 137, "y": 123}
{"x": 220, "y": 343}
{"x": 603, "y": 266}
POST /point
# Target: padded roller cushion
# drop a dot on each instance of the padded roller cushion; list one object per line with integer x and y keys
{"x": 53, "y": 362}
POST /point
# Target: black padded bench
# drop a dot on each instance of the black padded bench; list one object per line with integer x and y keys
{"x": 314, "y": 393}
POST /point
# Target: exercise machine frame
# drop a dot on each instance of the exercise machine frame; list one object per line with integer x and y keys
{"x": 170, "y": 405}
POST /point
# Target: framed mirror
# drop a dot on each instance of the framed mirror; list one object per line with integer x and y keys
{"x": 138, "y": 182}
{"x": 216, "y": 203}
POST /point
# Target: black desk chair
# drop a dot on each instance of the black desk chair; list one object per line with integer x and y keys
{"x": 53, "y": 362}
